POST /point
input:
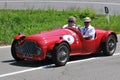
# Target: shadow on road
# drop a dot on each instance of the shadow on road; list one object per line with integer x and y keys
{"x": 29, "y": 63}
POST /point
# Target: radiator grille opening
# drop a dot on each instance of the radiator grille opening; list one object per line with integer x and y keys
{"x": 29, "y": 48}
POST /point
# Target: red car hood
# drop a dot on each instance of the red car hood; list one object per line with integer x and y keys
{"x": 47, "y": 35}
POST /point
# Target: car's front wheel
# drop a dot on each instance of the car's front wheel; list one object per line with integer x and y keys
{"x": 60, "y": 54}
{"x": 110, "y": 46}
{"x": 13, "y": 51}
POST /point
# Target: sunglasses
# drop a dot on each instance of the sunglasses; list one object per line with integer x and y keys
{"x": 71, "y": 21}
{"x": 86, "y": 22}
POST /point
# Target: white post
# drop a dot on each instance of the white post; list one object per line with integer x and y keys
{"x": 107, "y": 14}
{"x": 107, "y": 18}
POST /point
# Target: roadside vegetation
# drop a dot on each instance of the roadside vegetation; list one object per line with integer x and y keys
{"x": 33, "y": 21}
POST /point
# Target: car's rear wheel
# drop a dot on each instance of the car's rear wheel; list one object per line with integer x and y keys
{"x": 13, "y": 51}
{"x": 60, "y": 54}
{"x": 110, "y": 46}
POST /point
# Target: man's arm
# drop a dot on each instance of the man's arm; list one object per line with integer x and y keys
{"x": 87, "y": 37}
{"x": 91, "y": 33}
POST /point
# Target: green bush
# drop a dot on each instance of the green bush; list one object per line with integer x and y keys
{"x": 33, "y": 21}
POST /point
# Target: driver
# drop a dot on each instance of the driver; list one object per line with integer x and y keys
{"x": 71, "y": 22}
{"x": 88, "y": 31}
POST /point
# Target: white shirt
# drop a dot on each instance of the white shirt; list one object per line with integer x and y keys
{"x": 88, "y": 31}
{"x": 65, "y": 26}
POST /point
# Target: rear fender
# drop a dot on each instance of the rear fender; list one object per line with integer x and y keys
{"x": 107, "y": 34}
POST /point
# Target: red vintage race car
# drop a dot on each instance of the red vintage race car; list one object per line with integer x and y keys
{"x": 60, "y": 44}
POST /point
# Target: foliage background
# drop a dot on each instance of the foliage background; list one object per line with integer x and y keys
{"x": 33, "y": 21}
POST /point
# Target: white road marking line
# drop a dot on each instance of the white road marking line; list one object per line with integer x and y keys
{"x": 89, "y": 59}
{"x": 71, "y": 62}
{"x": 76, "y": 2}
{"x": 1, "y": 47}
{"x": 116, "y": 54}
{"x": 46, "y": 66}
{"x": 26, "y": 70}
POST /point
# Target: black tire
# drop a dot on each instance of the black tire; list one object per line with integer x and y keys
{"x": 13, "y": 51}
{"x": 110, "y": 46}
{"x": 60, "y": 54}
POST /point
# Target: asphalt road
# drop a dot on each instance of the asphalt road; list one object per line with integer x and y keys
{"x": 92, "y": 67}
{"x": 97, "y": 5}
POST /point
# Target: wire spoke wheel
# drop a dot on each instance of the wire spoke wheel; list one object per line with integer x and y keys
{"x": 61, "y": 54}
{"x": 110, "y": 46}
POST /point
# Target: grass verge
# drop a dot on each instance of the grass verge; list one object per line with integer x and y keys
{"x": 33, "y": 21}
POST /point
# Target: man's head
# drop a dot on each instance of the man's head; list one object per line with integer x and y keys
{"x": 71, "y": 20}
{"x": 87, "y": 21}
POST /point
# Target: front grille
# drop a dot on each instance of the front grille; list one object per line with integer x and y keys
{"x": 29, "y": 48}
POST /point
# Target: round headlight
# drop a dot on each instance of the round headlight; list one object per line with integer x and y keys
{"x": 39, "y": 51}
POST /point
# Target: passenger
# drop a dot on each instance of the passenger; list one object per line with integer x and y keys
{"x": 71, "y": 22}
{"x": 88, "y": 31}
